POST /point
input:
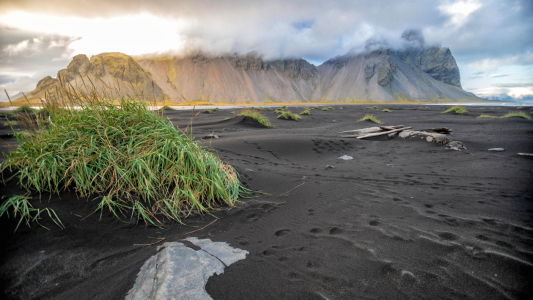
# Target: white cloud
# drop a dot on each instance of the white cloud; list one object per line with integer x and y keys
{"x": 493, "y": 64}
{"x": 14, "y": 49}
{"x": 132, "y": 34}
{"x": 459, "y": 11}
{"x": 504, "y": 92}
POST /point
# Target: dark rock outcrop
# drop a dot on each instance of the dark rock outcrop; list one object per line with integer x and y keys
{"x": 386, "y": 70}
{"x": 438, "y": 63}
{"x": 369, "y": 71}
{"x": 293, "y": 68}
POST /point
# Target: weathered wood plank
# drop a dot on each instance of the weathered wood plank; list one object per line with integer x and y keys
{"x": 383, "y": 133}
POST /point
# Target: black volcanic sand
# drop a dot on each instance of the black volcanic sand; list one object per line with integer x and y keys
{"x": 404, "y": 219}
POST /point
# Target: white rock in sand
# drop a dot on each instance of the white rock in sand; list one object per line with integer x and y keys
{"x": 345, "y": 157}
{"x": 179, "y": 272}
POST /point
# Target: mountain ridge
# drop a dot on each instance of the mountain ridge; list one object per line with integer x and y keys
{"x": 411, "y": 74}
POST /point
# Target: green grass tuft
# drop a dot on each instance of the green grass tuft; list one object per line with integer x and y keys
{"x": 260, "y": 108}
{"x": 256, "y": 115}
{"x": 208, "y": 111}
{"x": 21, "y": 206}
{"x": 215, "y": 109}
{"x": 126, "y": 155}
{"x": 305, "y": 112}
{"x": 166, "y": 108}
{"x": 516, "y": 114}
{"x": 386, "y": 110}
{"x": 456, "y": 109}
{"x": 10, "y": 123}
{"x": 369, "y": 117}
{"x": 287, "y": 115}
{"x": 327, "y": 108}
{"x": 24, "y": 109}
{"x": 486, "y": 116}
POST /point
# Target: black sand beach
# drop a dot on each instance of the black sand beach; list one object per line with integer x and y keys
{"x": 405, "y": 219}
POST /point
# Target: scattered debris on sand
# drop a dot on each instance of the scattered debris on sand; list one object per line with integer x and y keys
{"x": 432, "y": 135}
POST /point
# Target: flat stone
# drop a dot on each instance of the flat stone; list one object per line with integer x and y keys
{"x": 179, "y": 272}
{"x": 497, "y": 149}
{"x": 405, "y": 133}
{"x": 214, "y": 136}
{"x": 346, "y": 157}
{"x": 455, "y": 145}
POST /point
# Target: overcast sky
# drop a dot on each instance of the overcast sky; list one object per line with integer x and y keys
{"x": 491, "y": 40}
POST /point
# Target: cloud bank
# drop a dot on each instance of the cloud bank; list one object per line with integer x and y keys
{"x": 38, "y": 37}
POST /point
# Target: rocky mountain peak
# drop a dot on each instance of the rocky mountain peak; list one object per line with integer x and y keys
{"x": 293, "y": 68}
{"x": 437, "y": 62}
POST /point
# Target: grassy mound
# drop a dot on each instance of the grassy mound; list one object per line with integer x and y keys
{"x": 516, "y": 114}
{"x": 371, "y": 118}
{"x": 483, "y": 116}
{"x": 256, "y": 116}
{"x": 306, "y": 112}
{"x": 24, "y": 109}
{"x": 127, "y": 155}
{"x": 288, "y": 115}
{"x": 458, "y": 109}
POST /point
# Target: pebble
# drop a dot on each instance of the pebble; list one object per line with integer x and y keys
{"x": 346, "y": 157}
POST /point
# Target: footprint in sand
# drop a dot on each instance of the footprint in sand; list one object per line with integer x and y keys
{"x": 282, "y": 232}
{"x": 448, "y": 236}
{"x": 335, "y": 230}
{"x": 374, "y": 223}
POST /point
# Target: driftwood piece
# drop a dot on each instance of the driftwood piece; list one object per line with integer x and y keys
{"x": 371, "y": 129}
{"x": 382, "y": 133}
{"x": 386, "y": 128}
{"x": 526, "y": 154}
{"x": 429, "y": 136}
{"x": 444, "y": 130}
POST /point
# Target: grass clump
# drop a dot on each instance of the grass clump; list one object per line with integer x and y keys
{"x": 327, "y": 108}
{"x": 306, "y": 112}
{"x": 21, "y": 206}
{"x": 516, "y": 114}
{"x": 24, "y": 109}
{"x": 288, "y": 115}
{"x": 166, "y": 108}
{"x": 486, "y": 116}
{"x": 128, "y": 156}
{"x": 386, "y": 110}
{"x": 458, "y": 109}
{"x": 260, "y": 108}
{"x": 369, "y": 117}
{"x": 284, "y": 107}
{"x": 208, "y": 111}
{"x": 10, "y": 123}
{"x": 215, "y": 109}
{"x": 256, "y": 116}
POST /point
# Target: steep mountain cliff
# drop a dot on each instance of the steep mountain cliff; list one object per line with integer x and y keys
{"x": 233, "y": 79}
{"x": 112, "y": 74}
{"x": 422, "y": 73}
{"x": 414, "y": 74}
